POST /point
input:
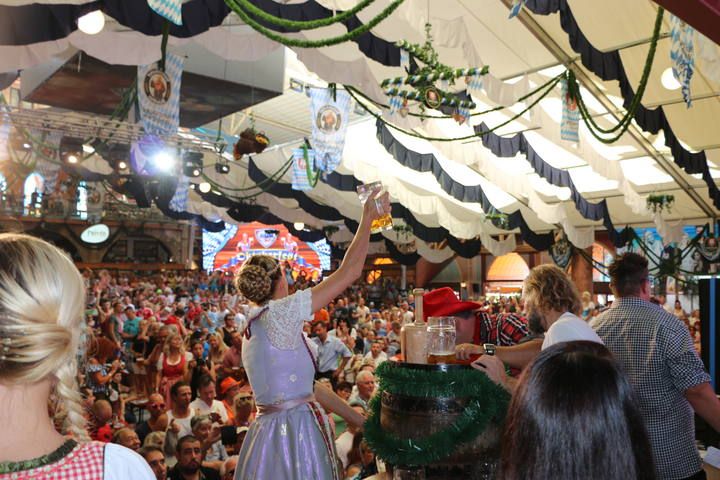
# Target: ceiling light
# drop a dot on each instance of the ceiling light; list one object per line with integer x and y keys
{"x": 27, "y": 146}
{"x": 668, "y": 80}
{"x": 204, "y": 187}
{"x": 92, "y": 23}
{"x": 88, "y": 148}
{"x": 222, "y": 168}
{"x": 72, "y": 158}
{"x": 164, "y": 162}
{"x": 299, "y": 226}
{"x": 122, "y": 165}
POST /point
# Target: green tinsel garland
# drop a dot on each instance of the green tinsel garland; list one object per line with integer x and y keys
{"x": 488, "y": 402}
{"x": 626, "y": 121}
{"x": 296, "y": 42}
{"x": 313, "y": 176}
{"x": 251, "y": 9}
{"x": 550, "y": 85}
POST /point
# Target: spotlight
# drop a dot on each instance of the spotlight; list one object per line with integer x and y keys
{"x": 92, "y": 23}
{"x": 299, "y": 226}
{"x": 122, "y": 165}
{"x": 71, "y": 149}
{"x": 27, "y": 146}
{"x": 668, "y": 80}
{"x": 222, "y": 168}
{"x": 192, "y": 166}
{"x": 204, "y": 187}
{"x": 164, "y": 162}
{"x": 88, "y": 149}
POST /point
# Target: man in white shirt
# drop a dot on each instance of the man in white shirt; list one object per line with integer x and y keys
{"x": 376, "y": 354}
{"x": 552, "y": 302}
{"x": 205, "y": 403}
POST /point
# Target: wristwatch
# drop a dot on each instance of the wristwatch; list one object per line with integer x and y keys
{"x": 489, "y": 348}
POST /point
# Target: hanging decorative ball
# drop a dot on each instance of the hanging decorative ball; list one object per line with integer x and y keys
{"x": 404, "y": 110}
{"x": 432, "y": 99}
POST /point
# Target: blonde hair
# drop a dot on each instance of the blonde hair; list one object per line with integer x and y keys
{"x": 549, "y": 288}
{"x": 257, "y": 277}
{"x": 154, "y": 439}
{"x": 166, "y": 347}
{"x": 42, "y": 295}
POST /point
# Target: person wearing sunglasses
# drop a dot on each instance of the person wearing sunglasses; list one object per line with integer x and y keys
{"x": 158, "y": 420}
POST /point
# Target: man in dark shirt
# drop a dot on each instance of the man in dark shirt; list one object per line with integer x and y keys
{"x": 189, "y": 456}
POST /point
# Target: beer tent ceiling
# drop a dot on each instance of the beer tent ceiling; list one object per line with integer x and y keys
{"x": 440, "y": 188}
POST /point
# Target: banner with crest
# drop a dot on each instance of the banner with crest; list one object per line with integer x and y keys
{"x": 329, "y": 124}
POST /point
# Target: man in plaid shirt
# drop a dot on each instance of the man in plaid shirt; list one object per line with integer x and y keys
{"x": 656, "y": 351}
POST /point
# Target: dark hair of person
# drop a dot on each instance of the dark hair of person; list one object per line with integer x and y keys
{"x": 204, "y": 381}
{"x": 574, "y": 416}
{"x": 322, "y": 324}
{"x": 176, "y": 388}
{"x": 628, "y": 272}
{"x": 343, "y": 386}
{"x": 179, "y": 312}
{"x": 184, "y": 440}
{"x": 354, "y": 455}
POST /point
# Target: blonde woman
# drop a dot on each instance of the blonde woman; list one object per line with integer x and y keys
{"x": 217, "y": 350}
{"x": 291, "y": 437}
{"x": 172, "y": 364}
{"x": 41, "y": 326}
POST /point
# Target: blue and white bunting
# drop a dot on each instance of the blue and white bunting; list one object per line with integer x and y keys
{"x": 395, "y": 104}
{"x": 681, "y": 55}
{"x": 516, "y": 7}
{"x": 300, "y": 180}
{"x": 170, "y": 9}
{"x": 405, "y": 60}
{"x": 474, "y": 84}
{"x": 570, "y": 116}
{"x": 329, "y": 125}
{"x": 179, "y": 200}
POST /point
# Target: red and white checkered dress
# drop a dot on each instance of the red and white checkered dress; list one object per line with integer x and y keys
{"x": 85, "y": 462}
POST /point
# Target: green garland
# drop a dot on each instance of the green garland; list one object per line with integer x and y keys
{"x": 625, "y": 122}
{"x": 251, "y": 9}
{"x": 488, "y": 402}
{"x": 313, "y": 177}
{"x": 295, "y": 42}
{"x": 550, "y": 86}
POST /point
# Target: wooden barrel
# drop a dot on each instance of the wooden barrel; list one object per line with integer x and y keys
{"x": 417, "y": 417}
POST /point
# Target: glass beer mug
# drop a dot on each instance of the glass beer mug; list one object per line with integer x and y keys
{"x": 385, "y": 221}
{"x": 441, "y": 340}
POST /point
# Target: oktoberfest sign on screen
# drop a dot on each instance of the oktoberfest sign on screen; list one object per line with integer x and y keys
{"x": 228, "y": 250}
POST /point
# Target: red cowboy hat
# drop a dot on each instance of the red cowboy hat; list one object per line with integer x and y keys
{"x": 443, "y": 302}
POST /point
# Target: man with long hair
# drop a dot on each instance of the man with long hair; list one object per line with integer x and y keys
{"x": 656, "y": 351}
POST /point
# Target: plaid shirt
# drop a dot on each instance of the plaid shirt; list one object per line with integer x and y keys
{"x": 656, "y": 351}
{"x": 502, "y": 329}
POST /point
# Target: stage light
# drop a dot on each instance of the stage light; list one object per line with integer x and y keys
{"x": 122, "y": 165}
{"x": 668, "y": 80}
{"x": 222, "y": 168}
{"x": 164, "y": 162}
{"x": 27, "y": 146}
{"x": 92, "y": 23}
{"x": 71, "y": 150}
{"x": 299, "y": 226}
{"x": 204, "y": 187}
{"x": 192, "y": 164}
{"x": 88, "y": 149}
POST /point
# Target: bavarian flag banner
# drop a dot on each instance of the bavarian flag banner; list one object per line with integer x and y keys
{"x": 159, "y": 95}
{"x": 170, "y": 9}
{"x": 329, "y": 124}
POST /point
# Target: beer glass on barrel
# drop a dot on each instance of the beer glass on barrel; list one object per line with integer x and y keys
{"x": 441, "y": 340}
{"x": 385, "y": 221}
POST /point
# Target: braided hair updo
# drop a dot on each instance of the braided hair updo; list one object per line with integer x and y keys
{"x": 256, "y": 279}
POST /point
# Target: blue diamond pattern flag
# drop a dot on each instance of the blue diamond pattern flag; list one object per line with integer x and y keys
{"x": 329, "y": 125}
{"x": 516, "y": 7}
{"x": 405, "y": 60}
{"x": 300, "y": 180}
{"x": 159, "y": 100}
{"x": 474, "y": 84}
{"x": 395, "y": 103}
{"x": 170, "y": 9}
{"x": 681, "y": 55}
{"x": 570, "y": 116}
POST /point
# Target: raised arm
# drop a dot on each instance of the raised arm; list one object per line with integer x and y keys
{"x": 352, "y": 265}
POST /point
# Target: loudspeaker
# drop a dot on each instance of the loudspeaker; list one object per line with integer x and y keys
{"x": 709, "y": 327}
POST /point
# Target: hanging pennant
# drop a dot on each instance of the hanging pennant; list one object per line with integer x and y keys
{"x": 47, "y": 157}
{"x": 561, "y": 252}
{"x": 329, "y": 125}
{"x": 462, "y": 114}
{"x": 170, "y": 9}
{"x": 179, "y": 200}
{"x": 404, "y": 60}
{"x": 474, "y": 84}
{"x": 303, "y": 165}
{"x": 516, "y": 7}
{"x": 159, "y": 95}
{"x": 570, "y": 115}
{"x": 396, "y": 103}
{"x": 681, "y": 55}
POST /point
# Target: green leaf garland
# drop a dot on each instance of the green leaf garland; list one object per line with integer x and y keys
{"x": 296, "y": 42}
{"x": 252, "y": 9}
{"x": 488, "y": 402}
